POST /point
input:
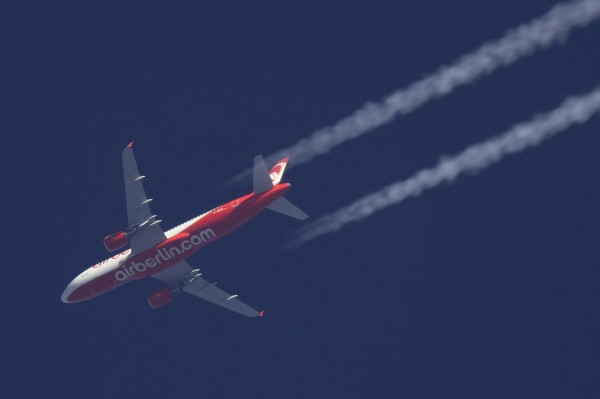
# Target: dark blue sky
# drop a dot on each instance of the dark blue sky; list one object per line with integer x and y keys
{"x": 484, "y": 289}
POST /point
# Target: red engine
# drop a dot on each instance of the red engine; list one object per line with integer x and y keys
{"x": 115, "y": 241}
{"x": 160, "y": 298}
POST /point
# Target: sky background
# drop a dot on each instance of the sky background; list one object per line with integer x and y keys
{"x": 487, "y": 288}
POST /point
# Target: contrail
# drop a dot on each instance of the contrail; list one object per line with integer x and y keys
{"x": 541, "y": 33}
{"x": 573, "y": 111}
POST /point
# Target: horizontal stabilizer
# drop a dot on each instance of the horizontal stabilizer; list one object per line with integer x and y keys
{"x": 285, "y": 207}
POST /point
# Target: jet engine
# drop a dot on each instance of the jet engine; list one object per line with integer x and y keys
{"x": 116, "y": 241}
{"x": 160, "y": 298}
{"x": 165, "y": 296}
{"x": 120, "y": 239}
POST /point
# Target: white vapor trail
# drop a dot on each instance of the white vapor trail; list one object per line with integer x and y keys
{"x": 542, "y": 32}
{"x": 575, "y": 110}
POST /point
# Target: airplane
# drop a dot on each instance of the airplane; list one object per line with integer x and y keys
{"x": 162, "y": 254}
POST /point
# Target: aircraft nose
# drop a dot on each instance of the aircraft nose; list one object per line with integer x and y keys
{"x": 68, "y": 291}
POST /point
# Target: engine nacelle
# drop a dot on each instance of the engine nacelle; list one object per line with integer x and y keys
{"x": 116, "y": 241}
{"x": 160, "y": 298}
{"x": 120, "y": 239}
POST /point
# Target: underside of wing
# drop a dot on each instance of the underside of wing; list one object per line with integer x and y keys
{"x": 175, "y": 274}
{"x": 146, "y": 228}
{"x": 190, "y": 281}
{"x": 211, "y": 293}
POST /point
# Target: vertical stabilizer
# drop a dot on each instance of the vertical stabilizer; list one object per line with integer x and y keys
{"x": 276, "y": 173}
{"x": 262, "y": 181}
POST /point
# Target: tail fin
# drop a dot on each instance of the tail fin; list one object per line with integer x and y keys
{"x": 285, "y": 207}
{"x": 276, "y": 173}
{"x": 262, "y": 181}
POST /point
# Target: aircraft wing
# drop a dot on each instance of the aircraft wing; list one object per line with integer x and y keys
{"x": 204, "y": 289}
{"x": 138, "y": 206}
{"x": 174, "y": 274}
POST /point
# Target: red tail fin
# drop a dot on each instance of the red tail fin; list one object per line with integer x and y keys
{"x": 276, "y": 173}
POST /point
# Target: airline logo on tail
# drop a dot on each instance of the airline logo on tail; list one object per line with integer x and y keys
{"x": 276, "y": 173}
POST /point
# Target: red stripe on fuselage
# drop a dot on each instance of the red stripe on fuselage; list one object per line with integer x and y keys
{"x": 222, "y": 220}
{"x": 228, "y": 217}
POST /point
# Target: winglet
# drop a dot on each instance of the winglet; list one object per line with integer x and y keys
{"x": 261, "y": 313}
{"x": 130, "y": 145}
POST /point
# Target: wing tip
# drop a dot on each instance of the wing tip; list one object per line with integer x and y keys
{"x": 261, "y": 313}
{"x": 130, "y": 145}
